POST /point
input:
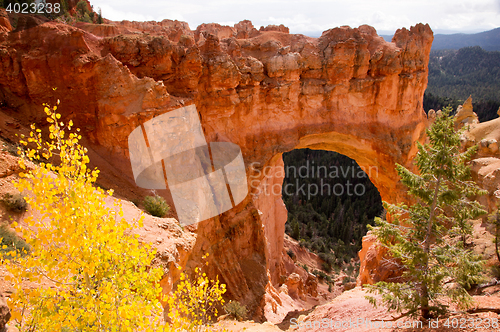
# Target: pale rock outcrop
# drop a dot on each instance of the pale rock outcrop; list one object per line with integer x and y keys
{"x": 485, "y": 169}
{"x": 486, "y": 134}
{"x": 283, "y": 289}
{"x": 465, "y": 114}
{"x": 295, "y": 286}
{"x": 431, "y": 116}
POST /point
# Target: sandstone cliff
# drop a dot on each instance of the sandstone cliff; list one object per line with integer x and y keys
{"x": 267, "y": 91}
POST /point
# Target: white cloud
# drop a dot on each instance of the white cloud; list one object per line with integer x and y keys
{"x": 313, "y": 15}
{"x": 112, "y": 13}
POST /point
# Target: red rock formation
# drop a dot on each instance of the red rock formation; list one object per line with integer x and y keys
{"x": 311, "y": 285}
{"x": 4, "y": 313}
{"x": 486, "y": 173}
{"x": 245, "y": 29}
{"x": 172, "y": 29}
{"x": 375, "y": 266}
{"x": 5, "y": 25}
{"x": 273, "y": 214}
{"x": 214, "y": 29}
{"x": 100, "y": 30}
{"x": 348, "y": 91}
{"x": 72, "y": 5}
{"x": 295, "y": 286}
{"x": 272, "y": 27}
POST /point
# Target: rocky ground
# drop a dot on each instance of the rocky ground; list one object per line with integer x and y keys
{"x": 355, "y": 313}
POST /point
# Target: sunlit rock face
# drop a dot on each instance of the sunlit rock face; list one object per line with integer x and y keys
{"x": 485, "y": 166}
{"x": 267, "y": 91}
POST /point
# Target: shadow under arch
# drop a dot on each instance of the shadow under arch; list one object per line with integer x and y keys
{"x": 272, "y": 211}
{"x": 379, "y": 167}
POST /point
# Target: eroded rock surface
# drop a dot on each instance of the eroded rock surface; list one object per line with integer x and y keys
{"x": 375, "y": 265}
{"x": 4, "y": 313}
{"x": 295, "y": 286}
{"x": 465, "y": 114}
{"x": 267, "y": 91}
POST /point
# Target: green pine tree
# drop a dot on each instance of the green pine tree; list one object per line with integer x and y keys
{"x": 494, "y": 218}
{"x": 428, "y": 239}
{"x": 99, "y": 16}
{"x": 295, "y": 230}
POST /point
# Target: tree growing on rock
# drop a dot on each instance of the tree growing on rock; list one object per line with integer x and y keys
{"x": 428, "y": 239}
{"x": 99, "y": 16}
{"x": 494, "y": 219}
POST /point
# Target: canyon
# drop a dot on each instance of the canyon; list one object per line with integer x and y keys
{"x": 266, "y": 90}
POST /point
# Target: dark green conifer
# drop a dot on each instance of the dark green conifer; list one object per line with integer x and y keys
{"x": 295, "y": 230}
{"x": 428, "y": 238}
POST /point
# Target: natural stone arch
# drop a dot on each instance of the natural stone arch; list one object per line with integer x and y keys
{"x": 269, "y": 92}
{"x": 373, "y": 118}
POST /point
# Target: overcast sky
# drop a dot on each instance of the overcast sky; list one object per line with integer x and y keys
{"x": 314, "y": 16}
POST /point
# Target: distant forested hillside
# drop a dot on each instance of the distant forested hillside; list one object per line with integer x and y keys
{"x": 335, "y": 220}
{"x": 456, "y": 74}
{"x": 488, "y": 40}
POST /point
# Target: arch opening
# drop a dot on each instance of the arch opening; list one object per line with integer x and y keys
{"x": 330, "y": 201}
{"x": 291, "y": 192}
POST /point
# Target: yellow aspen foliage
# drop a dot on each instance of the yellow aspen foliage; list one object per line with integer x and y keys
{"x": 194, "y": 303}
{"x": 85, "y": 270}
